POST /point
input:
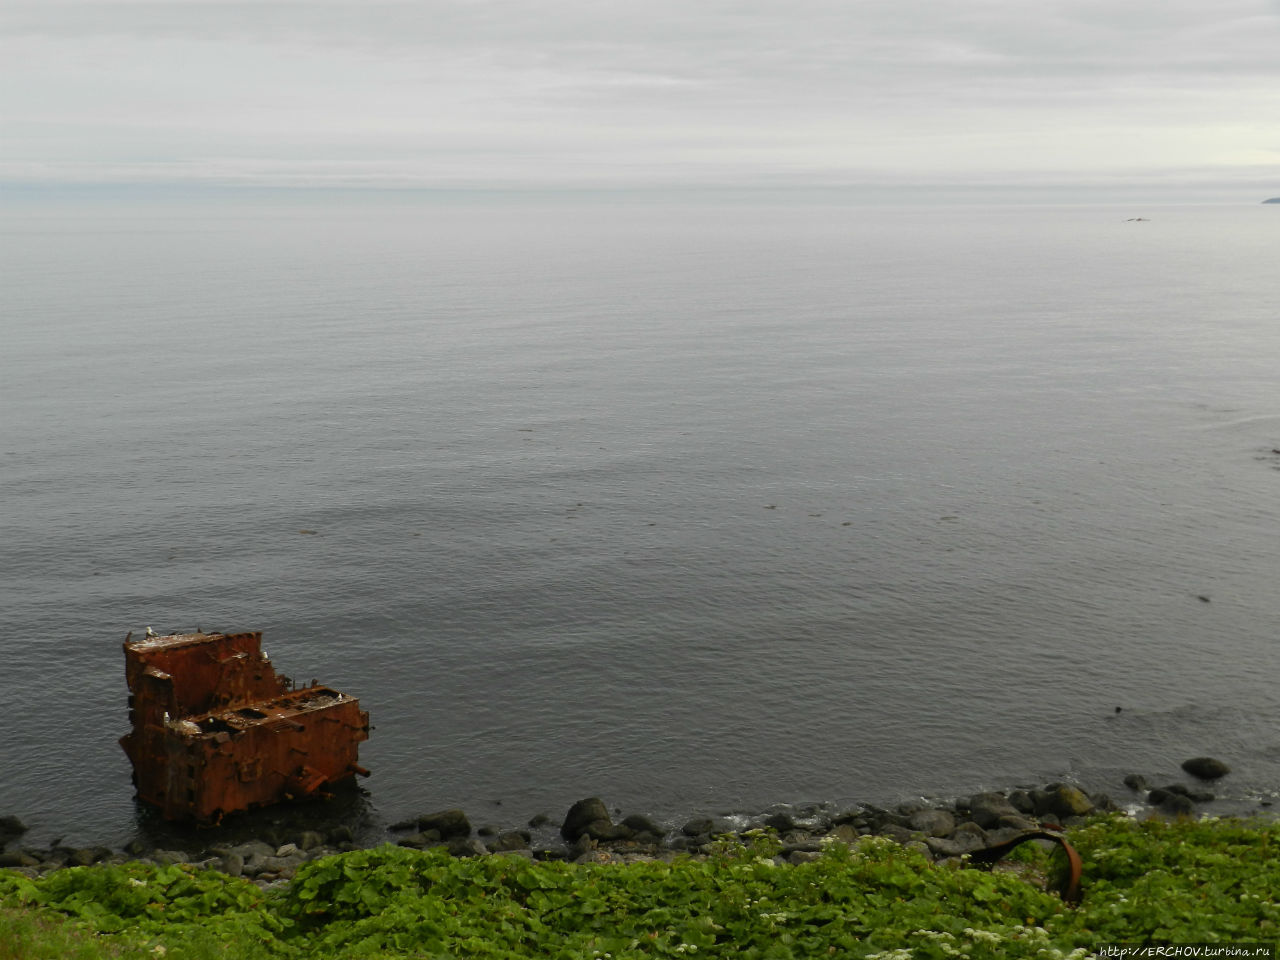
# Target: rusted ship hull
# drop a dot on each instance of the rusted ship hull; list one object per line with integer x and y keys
{"x": 216, "y": 730}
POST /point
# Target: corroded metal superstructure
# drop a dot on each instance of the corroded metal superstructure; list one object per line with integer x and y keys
{"x": 216, "y": 730}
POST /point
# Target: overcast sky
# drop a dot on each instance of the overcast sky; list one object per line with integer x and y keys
{"x": 602, "y": 93}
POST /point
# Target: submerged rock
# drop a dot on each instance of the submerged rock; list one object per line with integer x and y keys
{"x": 1206, "y": 768}
{"x": 450, "y": 823}
{"x": 1175, "y": 804}
{"x": 11, "y": 827}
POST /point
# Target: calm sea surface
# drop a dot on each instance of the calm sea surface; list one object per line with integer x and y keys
{"x": 696, "y": 508}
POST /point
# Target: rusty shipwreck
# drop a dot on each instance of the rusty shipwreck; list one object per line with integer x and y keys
{"x": 216, "y": 730}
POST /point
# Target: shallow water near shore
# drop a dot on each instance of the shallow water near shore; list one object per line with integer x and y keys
{"x": 694, "y": 507}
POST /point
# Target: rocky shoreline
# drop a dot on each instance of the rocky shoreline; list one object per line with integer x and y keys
{"x": 590, "y": 832}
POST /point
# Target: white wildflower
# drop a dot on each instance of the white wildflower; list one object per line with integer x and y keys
{"x": 935, "y": 934}
{"x": 981, "y": 936}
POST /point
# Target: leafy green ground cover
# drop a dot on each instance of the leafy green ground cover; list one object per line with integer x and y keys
{"x": 1144, "y": 882}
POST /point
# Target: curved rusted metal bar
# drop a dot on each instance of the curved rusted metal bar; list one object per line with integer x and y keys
{"x": 1070, "y": 891}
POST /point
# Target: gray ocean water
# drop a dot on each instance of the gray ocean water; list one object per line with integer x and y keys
{"x": 694, "y": 506}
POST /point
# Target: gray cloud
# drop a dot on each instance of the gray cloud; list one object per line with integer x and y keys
{"x": 489, "y": 91}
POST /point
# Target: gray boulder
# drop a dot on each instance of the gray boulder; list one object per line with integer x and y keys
{"x": 510, "y": 840}
{"x": 970, "y": 830}
{"x": 644, "y": 829}
{"x": 1102, "y": 803}
{"x": 782, "y": 822}
{"x": 281, "y": 866}
{"x": 310, "y": 840}
{"x": 232, "y": 865}
{"x": 1018, "y": 824}
{"x": 954, "y": 846}
{"x": 986, "y": 809}
{"x": 606, "y": 831}
{"x": 1064, "y": 800}
{"x": 698, "y": 827}
{"x": 1022, "y": 801}
{"x": 845, "y": 832}
{"x": 421, "y": 841}
{"x": 933, "y": 823}
{"x": 1158, "y": 795}
{"x": 251, "y": 849}
{"x": 466, "y": 847}
{"x": 581, "y": 815}
{"x": 80, "y": 857}
{"x": 897, "y": 833}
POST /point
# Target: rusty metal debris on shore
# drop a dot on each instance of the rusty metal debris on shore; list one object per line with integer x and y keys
{"x": 1066, "y": 886}
{"x": 216, "y": 730}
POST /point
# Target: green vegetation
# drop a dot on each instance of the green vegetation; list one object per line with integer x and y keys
{"x": 1154, "y": 882}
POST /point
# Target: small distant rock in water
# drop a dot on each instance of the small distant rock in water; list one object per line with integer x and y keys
{"x": 1206, "y": 768}
{"x": 1202, "y": 598}
{"x": 1137, "y": 782}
